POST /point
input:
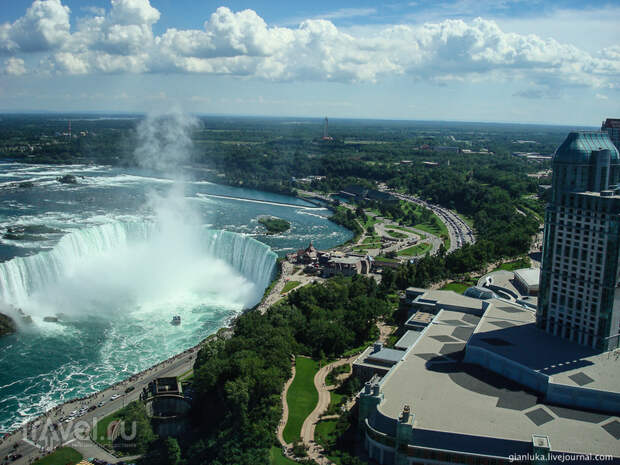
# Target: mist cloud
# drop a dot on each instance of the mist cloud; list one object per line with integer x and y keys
{"x": 164, "y": 141}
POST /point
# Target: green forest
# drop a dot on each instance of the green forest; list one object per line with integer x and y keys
{"x": 237, "y": 381}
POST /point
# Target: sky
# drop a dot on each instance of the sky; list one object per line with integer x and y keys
{"x": 527, "y": 61}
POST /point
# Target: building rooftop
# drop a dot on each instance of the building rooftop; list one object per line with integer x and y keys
{"x": 407, "y": 340}
{"x": 612, "y": 123}
{"x": 420, "y": 318}
{"x": 390, "y": 356}
{"x": 346, "y": 260}
{"x": 511, "y": 331}
{"x": 442, "y": 299}
{"x": 462, "y": 407}
{"x": 478, "y": 292}
{"x": 578, "y": 146}
{"x": 529, "y": 276}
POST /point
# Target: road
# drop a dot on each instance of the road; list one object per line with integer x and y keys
{"x": 412, "y": 239}
{"x": 460, "y": 233}
{"x": 33, "y": 442}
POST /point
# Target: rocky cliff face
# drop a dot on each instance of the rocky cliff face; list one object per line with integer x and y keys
{"x": 7, "y": 325}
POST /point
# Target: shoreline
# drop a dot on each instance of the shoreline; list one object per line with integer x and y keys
{"x": 222, "y": 332}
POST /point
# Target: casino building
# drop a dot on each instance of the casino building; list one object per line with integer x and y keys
{"x": 579, "y": 295}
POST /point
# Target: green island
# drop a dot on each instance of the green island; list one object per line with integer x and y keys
{"x": 274, "y": 225}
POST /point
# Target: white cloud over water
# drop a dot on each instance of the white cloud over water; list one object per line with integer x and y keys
{"x": 242, "y": 44}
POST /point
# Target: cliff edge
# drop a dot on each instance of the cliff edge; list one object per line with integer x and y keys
{"x": 7, "y": 325}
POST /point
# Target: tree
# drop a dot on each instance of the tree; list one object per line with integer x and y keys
{"x": 173, "y": 451}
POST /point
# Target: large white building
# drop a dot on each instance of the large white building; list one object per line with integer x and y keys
{"x": 482, "y": 385}
{"x": 579, "y": 294}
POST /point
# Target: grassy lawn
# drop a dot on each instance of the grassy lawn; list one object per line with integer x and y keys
{"x": 396, "y": 234}
{"x": 99, "y": 432}
{"x": 331, "y": 380}
{"x": 381, "y": 258}
{"x": 432, "y": 228}
{"x": 371, "y": 239}
{"x": 370, "y": 221}
{"x": 359, "y": 349}
{"x": 515, "y": 265}
{"x": 290, "y": 285}
{"x": 456, "y": 287}
{"x": 189, "y": 374}
{"x": 276, "y": 457}
{"x": 301, "y": 397}
{"x": 468, "y": 221}
{"x": 63, "y": 456}
{"x": 402, "y": 228}
{"x": 335, "y": 398}
{"x": 324, "y": 433}
{"x": 419, "y": 249}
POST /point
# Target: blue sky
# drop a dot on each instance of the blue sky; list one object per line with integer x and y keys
{"x": 470, "y": 60}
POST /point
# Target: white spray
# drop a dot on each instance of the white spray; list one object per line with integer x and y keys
{"x": 168, "y": 265}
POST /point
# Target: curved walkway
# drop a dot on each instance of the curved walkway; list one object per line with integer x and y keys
{"x": 315, "y": 451}
{"x": 284, "y": 419}
{"x": 275, "y": 293}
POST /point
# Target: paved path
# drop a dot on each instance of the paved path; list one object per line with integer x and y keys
{"x": 315, "y": 451}
{"x": 284, "y": 419}
{"x": 287, "y": 275}
{"x": 274, "y": 295}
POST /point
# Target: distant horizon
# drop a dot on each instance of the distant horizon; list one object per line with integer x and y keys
{"x": 514, "y": 61}
{"x": 318, "y": 118}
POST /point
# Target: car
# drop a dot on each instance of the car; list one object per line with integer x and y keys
{"x": 115, "y": 396}
{"x": 101, "y": 404}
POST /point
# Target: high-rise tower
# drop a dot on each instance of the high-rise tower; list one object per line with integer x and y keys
{"x": 612, "y": 127}
{"x": 579, "y": 295}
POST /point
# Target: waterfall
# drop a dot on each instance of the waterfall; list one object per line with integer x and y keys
{"x": 22, "y": 276}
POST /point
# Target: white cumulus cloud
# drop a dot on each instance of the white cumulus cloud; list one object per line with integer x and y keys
{"x": 45, "y": 26}
{"x": 14, "y": 66}
{"x": 241, "y": 43}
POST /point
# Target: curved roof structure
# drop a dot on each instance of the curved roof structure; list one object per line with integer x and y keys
{"x": 578, "y": 146}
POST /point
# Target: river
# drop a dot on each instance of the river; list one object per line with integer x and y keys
{"x": 114, "y": 258}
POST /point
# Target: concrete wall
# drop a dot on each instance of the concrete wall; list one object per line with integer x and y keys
{"x": 508, "y": 368}
{"x": 583, "y": 397}
{"x": 570, "y": 396}
{"x": 167, "y": 406}
{"x": 381, "y": 453}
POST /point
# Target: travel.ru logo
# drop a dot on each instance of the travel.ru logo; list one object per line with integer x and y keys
{"x": 49, "y": 435}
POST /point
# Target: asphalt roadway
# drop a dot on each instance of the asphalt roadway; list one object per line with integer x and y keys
{"x": 34, "y": 442}
{"x": 460, "y": 233}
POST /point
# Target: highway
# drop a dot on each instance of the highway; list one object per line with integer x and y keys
{"x": 460, "y": 233}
